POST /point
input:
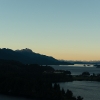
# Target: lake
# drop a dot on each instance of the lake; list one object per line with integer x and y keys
{"x": 78, "y": 68}
{"x": 87, "y": 89}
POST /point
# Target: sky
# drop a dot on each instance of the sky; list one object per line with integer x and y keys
{"x": 64, "y": 29}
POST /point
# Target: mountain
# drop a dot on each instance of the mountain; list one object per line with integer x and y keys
{"x": 27, "y": 56}
{"x": 36, "y": 57}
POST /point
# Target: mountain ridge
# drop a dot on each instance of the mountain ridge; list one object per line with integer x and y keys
{"x": 27, "y": 56}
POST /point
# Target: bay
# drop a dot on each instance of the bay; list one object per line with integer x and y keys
{"x": 77, "y": 69}
{"x": 89, "y": 90}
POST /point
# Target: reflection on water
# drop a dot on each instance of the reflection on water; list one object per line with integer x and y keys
{"x": 80, "y": 65}
{"x": 87, "y": 89}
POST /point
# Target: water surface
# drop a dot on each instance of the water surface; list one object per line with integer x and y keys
{"x": 87, "y": 89}
{"x": 77, "y": 69}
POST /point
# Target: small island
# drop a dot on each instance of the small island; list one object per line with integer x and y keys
{"x": 97, "y": 66}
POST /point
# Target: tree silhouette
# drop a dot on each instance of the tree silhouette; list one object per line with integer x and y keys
{"x": 79, "y": 98}
{"x": 85, "y": 73}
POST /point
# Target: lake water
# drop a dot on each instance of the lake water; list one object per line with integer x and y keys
{"x": 78, "y": 69}
{"x": 87, "y": 89}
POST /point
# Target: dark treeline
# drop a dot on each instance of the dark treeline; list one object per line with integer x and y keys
{"x": 33, "y": 81}
{"x": 86, "y": 76}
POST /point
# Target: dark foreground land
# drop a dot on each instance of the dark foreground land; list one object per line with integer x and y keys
{"x": 85, "y": 76}
{"x": 33, "y": 81}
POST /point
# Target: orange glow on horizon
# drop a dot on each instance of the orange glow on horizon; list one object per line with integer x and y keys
{"x": 77, "y": 57}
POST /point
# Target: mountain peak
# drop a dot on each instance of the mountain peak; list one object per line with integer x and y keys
{"x": 26, "y": 50}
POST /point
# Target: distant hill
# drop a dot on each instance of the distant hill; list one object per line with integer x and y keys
{"x": 27, "y": 56}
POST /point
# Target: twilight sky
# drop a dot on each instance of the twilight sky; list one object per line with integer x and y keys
{"x": 64, "y": 29}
